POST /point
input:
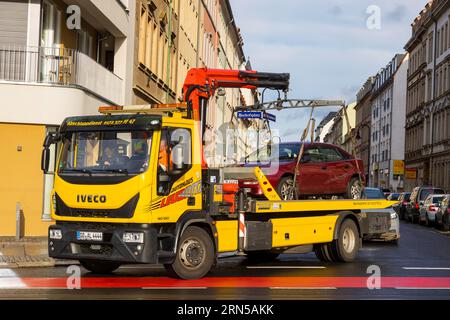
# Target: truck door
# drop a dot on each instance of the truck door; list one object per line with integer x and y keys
{"x": 178, "y": 182}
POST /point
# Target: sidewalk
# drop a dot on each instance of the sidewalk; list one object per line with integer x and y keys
{"x": 26, "y": 253}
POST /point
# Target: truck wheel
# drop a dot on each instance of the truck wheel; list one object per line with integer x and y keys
{"x": 354, "y": 189}
{"x": 284, "y": 188}
{"x": 323, "y": 252}
{"x": 195, "y": 255}
{"x": 319, "y": 253}
{"x": 346, "y": 246}
{"x": 262, "y": 256}
{"x": 100, "y": 267}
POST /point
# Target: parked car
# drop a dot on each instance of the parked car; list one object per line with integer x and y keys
{"x": 394, "y": 232}
{"x": 427, "y": 212}
{"x": 325, "y": 170}
{"x": 400, "y": 208}
{"x": 417, "y": 199}
{"x": 443, "y": 214}
{"x": 394, "y": 196}
{"x": 386, "y": 192}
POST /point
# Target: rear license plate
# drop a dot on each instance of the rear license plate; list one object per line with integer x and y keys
{"x": 89, "y": 236}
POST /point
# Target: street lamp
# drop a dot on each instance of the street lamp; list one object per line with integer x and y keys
{"x": 359, "y": 137}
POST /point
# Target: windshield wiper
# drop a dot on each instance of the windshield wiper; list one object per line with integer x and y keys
{"x": 122, "y": 171}
{"x": 85, "y": 171}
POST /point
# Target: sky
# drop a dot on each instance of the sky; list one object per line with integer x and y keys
{"x": 327, "y": 46}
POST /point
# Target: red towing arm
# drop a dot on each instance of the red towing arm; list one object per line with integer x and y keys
{"x": 201, "y": 84}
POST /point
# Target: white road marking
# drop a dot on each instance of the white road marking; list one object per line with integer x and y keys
{"x": 425, "y": 268}
{"x": 286, "y": 267}
{"x": 174, "y": 288}
{"x": 303, "y": 288}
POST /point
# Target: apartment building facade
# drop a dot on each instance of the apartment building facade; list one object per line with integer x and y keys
{"x": 427, "y": 154}
{"x": 387, "y": 125}
{"x": 363, "y": 124}
{"x": 324, "y": 127}
{"x": 48, "y": 72}
{"x": 175, "y": 36}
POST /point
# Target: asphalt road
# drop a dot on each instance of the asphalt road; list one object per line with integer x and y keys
{"x": 417, "y": 268}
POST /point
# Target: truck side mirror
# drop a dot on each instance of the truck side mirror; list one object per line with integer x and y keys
{"x": 51, "y": 138}
{"x": 45, "y": 160}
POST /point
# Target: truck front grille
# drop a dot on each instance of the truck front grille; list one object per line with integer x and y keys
{"x": 98, "y": 249}
{"x": 125, "y": 212}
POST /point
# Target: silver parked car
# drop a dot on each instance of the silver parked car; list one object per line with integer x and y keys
{"x": 393, "y": 235}
{"x": 431, "y": 205}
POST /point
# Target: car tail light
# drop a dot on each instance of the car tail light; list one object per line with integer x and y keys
{"x": 448, "y": 210}
{"x": 417, "y": 206}
{"x": 432, "y": 208}
{"x": 251, "y": 183}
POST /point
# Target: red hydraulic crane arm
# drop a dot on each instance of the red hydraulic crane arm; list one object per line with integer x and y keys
{"x": 201, "y": 84}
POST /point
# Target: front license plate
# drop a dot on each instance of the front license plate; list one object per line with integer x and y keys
{"x": 89, "y": 236}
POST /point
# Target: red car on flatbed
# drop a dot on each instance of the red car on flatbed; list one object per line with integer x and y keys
{"x": 324, "y": 170}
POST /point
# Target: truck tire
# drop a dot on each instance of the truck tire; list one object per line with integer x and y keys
{"x": 319, "y": 253}
{"x": 323, "y": 252}
{"x": 195, "y": 255}
{"x": 283, "y": 188}
{"x": 100, "y": 267}
{"x": 262, "y": 256}
{"x": 346, "y": 246}
{"x": 354, "y": 189}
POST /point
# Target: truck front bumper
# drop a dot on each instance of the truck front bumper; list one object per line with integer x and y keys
{"x": 111, "y": 247}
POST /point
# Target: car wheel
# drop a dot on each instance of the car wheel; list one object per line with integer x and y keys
{"x": 285, "y": 188}
{"x": 445, "y": 223}
{"x": 195, "y": 255}
{"x": 419, "y": 220}
{"x": 354, "y": 189}
{"x": 100, "y": 267}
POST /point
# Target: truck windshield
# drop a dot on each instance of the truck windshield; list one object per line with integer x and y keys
{"x": 105, "y": 152}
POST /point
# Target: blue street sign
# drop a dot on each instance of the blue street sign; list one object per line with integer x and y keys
{"x": 270, "y": 117}
{"x": 250, "y": 115}
{"x": 256, "y": 115}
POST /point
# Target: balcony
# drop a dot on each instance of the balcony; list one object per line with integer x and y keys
{"x": 60, "y": 67}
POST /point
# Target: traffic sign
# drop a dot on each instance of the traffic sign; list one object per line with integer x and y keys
{"x": 250, "y": 114}
{"x": 256, "y": 115}
{"x": 270, "y": 117}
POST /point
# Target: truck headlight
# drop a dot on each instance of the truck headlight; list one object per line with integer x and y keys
{"x": 55, "y": 234}
{"x": 133, "y": 237}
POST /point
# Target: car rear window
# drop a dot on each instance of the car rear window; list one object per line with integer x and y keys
{"x": 394, "y": 196}
{"x": 426, "y": 192}
{"x": 373, "y": 194}
{"x": 437, "y": 200}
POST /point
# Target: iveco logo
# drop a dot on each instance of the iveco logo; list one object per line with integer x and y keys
{"x": 91, "y": 198}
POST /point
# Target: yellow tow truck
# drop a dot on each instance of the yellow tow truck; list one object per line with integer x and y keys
{"x": 132, "y": 187}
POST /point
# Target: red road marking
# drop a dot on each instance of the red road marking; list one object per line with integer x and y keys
{"x": 229, "y": 282}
